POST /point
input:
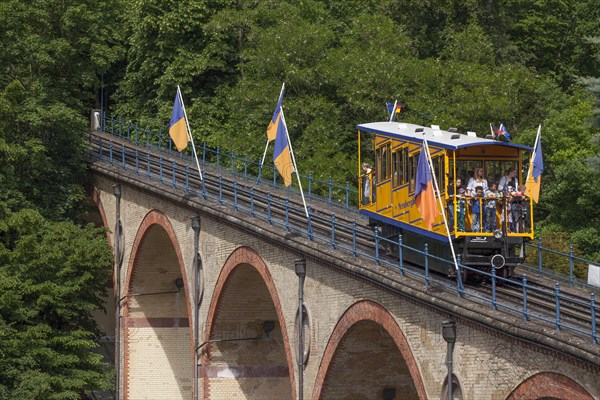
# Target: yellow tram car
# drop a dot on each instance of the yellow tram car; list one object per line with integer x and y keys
{"x": 488, "y": 230}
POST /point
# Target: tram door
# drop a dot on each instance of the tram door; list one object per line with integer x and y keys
{"x": 383, "y": 176}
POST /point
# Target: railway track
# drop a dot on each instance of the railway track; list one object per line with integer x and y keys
{"x": 338, "y": 227}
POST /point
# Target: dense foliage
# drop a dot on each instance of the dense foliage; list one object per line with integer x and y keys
{"x": 453, "y": 63}
{"x": 463, "y": 64}
{"x": 52, "y": 270}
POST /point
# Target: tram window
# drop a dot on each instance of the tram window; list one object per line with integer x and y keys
{"x": 405, "y": 165}
{"x": 383, "y": 163}
{"x": 466, "y": 169}
{"x": 412, "y": 170}
{"x": 438, "y": 167}
{"x": 399, "y": 166}
{"x": 451, "y": 179}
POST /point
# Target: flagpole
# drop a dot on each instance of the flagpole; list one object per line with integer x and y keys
{"x": 189, "y": 132}
{"x": 537, "y": 138}
{"x": 535, "y": 149}
{"x": 262, "y": 162}
{"x": 295, "y": 166}
{"x": 268, "y": 141}
{"x": 429, "y": 162}
{"x": 394, "y": 111}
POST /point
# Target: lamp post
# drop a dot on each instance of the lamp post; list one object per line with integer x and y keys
{"x": 449, "y": 335}
{"x": 196, "y": 228}
{"x": 117, "y": 272}
{"x": 300, "y": 267}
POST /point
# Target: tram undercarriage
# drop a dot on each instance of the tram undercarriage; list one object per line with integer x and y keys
{"x": 477, "y": 252}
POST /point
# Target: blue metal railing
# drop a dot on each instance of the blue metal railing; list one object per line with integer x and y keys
{"x": 336, "y": 195}
{"x": 325, "y": 190}
{"x": 560, "y": 261}
{"x": 339, "y": 228}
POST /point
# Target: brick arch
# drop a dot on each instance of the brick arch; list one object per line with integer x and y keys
{"x": 552, "y": 385}
{"x": 154, "y": 217}
{"x": 98, "y": 202}
{"x": 368, "y": 311}
{"x": 247, "y": 255}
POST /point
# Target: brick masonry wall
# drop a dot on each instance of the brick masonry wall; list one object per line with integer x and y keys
{"x": 488, "y": 365}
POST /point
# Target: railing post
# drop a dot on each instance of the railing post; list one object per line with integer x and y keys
{"x": 330, "y": 189}
{"x": 333, "y": 230}
{"x": 160, "y": 168}
{"x": 218, "y": 158}
{"x": 525, "y": 317}
{"x": 221, "y": 190}
{"x": 493, "y": 270}
{"x": 593, "y": 308}
{"x": 287, "y": 214}
{"x": 274, "y": 177}
{"x": 203, "y": 154}
{"x": 120, "y": 126}
{"x": 174, "y": 175}
{"x": 252, "y": 201}
{"x": 354, "y": 238}
{"x": 204, "y": 193}
{"x": 459, "y": 273}
{"x": 557, "y": 296}
{"x": 232, "y": 162}
{"x": 376, "y": 233}
{"x": 137, "y": 135}
{"x": 128, "y": 132}
{"x": 148, "y": 137}
{"x": 112, "y": 126}
{"x": 159, "y": 138}
{"x": 400, "y": 255}
{"x": 347, "y": 194}
{"x": 235, "y": 196}
{"x": 187, "y": 178}
{"x": 269, "y": 207}
{"x": 309, "y": 227}
{"x": 571, "y": 265}
{"x": 426, "y": 251}
{"x": 540, "y": 272}
{"x": 310, "y": 184}
{"x": 246, "y": 166}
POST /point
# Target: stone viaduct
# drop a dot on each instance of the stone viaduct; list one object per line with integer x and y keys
{"x": 369, "y": 332}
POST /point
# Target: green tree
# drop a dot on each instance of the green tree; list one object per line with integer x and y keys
{"x": 51, "y": 278}
{"x": 52, "y": 55}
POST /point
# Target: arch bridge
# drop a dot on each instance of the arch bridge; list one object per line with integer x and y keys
{"x": 211, "y": 277}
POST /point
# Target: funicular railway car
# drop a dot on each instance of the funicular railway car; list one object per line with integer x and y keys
{"x": 488, "y": 229}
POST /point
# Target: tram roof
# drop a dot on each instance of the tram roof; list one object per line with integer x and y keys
{"x": 436, "y": 137}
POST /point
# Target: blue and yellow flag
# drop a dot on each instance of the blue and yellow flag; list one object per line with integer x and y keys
{"x": 275, "y": 119}
{"x": 536, "y": 168}
{"x": 424, "y": 193}
{"x": 177, "y": 127}
{"x": 281, "y": 154}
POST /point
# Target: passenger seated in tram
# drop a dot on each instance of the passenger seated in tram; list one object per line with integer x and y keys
{"x": 489, "y": 222}
{"x": 476, "y": 209}
{"x": 477, "y": 180}
{"x": 458, "y": 191}
{"x": 366, "y": 183}
{"x": 519, "y": 211}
